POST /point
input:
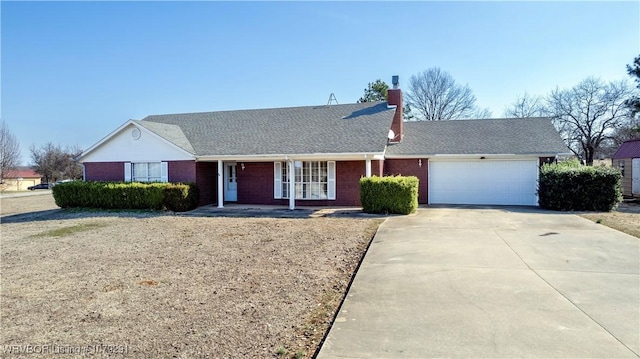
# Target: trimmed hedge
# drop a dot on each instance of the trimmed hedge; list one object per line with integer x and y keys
{"x": 393, "y": 194}
{"x": 179, "y": 197}
{"x": 570, "y": 186}
{"x": 176, "y": 197}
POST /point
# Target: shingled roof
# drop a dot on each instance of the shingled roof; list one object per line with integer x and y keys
{"x": 531, "y": 136}
{"x": 628, "y": 149}
{"x": 350, "y": 128}
{"x": 21, "y": 171}
{"x": 171, "y": 133}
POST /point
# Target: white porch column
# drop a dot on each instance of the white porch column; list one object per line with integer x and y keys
{"x": 292, "y": 185}
{"x": 368, "y": 167}
{"x": 220, "y": 184}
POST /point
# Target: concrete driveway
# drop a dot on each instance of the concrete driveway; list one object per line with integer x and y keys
{"x": 492, "y": 282}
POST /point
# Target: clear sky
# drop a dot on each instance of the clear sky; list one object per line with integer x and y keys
{"x": 72, "y": 72}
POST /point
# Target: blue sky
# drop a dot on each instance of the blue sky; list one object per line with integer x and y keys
{"x": 72, "y": 72}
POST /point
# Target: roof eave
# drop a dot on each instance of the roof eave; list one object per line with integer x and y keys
{"x": 118, "y": 130}
{"x": 468, "y": 155}
{"x": 359, "y": 156}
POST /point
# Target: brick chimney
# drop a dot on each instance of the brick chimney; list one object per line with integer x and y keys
{"x": 394, "y": 97}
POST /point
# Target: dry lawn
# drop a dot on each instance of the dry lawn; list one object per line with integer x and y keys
{"x": 169, "y": 286}
{"x": 625, "y": 219}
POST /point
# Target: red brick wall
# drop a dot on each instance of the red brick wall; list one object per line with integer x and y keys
{"x": 104, "y": 171}
{"x": 348, "y": 176}
{"x": 377, "y": 168}
{"x": 395, "y": 98}
{"x": 207, "y": 181}
{"x": 179, "y": 171}
{"x": 255, "y": 185}
{"x": 182, "y": 171}
{"x": 410, "y": 167}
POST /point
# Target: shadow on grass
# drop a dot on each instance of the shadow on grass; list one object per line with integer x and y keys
{"x": 230, "y": 212}
{"x": 206, "y": 211}
{"x": 75, "y": 213}
{"x": 629, "y": 207}
{"x": 503, "y": 208}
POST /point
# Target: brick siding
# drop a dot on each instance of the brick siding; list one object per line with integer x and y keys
{"x": 104, "y": 171}
{"x": 410, "y": 167}
{"x": 255, "y": 184}
{"x": 182, "y": 171}
{"x": 207, "y": 181}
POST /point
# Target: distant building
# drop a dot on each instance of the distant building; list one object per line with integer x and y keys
{"x": 19, "y": 179}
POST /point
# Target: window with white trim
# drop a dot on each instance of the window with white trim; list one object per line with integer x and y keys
{"x": 313, "y": 179}
{"x": 146, "y": 172}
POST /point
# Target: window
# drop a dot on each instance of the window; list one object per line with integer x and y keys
{"x": 621, "y": 167}
{"x": 146, "y": 172}
{"x": 313, "y": 179}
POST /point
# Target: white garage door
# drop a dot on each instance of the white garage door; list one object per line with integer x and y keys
{"x": 492, "y": 182}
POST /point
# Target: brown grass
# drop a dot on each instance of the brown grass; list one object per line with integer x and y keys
{"x": 625, "y": 219}
{"x": 166, "y": 286}
{"x": 628, "y": 223}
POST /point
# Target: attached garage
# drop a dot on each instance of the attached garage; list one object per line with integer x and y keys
{"x": 483, "y": 182}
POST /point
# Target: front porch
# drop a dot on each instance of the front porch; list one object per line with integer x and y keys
{"x": 315, "y": 183}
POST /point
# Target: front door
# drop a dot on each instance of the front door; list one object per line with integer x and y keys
{"x": 230, "y": 182}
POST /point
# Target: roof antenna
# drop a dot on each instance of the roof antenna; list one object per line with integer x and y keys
{"x": 332, "y": 98}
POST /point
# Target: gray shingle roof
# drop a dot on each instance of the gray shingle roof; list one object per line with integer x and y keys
{"x": 350, "y": 128}
{"x": 486, "y": 136}
{"x": 171, "y": 133}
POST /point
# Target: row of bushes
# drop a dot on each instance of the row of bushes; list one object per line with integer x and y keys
{"x": 393, "y": 194}
{"x": 566, "y": 186}
{"x": 563, "y": 186}
{"x": 176, "y": 197}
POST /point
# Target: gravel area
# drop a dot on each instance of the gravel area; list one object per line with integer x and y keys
{"x": 148, "y": 284}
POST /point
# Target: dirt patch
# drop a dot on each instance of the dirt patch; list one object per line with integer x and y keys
{"x": 170, "y": 286}
{"x": 626, "y": 218}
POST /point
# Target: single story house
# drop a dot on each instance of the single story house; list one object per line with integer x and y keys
{"x": 627, "y": 160}
{"x": 19, "y": 179}
{"x": 316, "y": 155}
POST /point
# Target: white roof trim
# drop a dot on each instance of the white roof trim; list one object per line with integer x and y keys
{"x": 300, "y": 157}
{"x": 472, "y": 155}
{"x": 120, "y": 129}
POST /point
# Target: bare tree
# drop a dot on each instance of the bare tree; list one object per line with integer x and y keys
{"x": 526, "y": 106}
{"x": 628, "y": 131}
{"x": 588, "y": 114}
{"x": 73, "y": 170}
{"x": 53, "y": 162}
{"x": 480, "y": 113}
{"x": 9, "y": 152}
{"x": 435, "y": 95}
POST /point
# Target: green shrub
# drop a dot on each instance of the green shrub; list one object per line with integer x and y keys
{"x": 130, "y": 195}
{"x": 569, "y": 186}
{"x": 180, "y": 197}
{"x": 397, "y": 194}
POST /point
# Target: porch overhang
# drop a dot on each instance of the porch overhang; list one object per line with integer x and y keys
{"x": 293, "y": 156}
